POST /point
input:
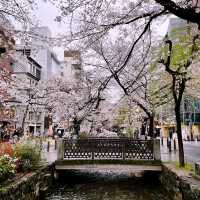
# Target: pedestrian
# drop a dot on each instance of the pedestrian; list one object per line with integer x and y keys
{"x": 36, "y": 134}
{"x": 6, "y": 137}
{"x": 59, "y": 133}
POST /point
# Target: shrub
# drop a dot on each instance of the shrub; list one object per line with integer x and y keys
{"x": 6, "y": 148}
{"x": 83, "y": 135}
{"x": 8, "y": 167}
{"x": 29, "y": 155}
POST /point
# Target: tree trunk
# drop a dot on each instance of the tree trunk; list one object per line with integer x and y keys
{"x": 91, "y": 127}
{"x": 151, "y": 126}
{"x": 143, "y": 126}
{"x": 24, "y": 117}
{"x": 179, "y": 135}
{"x": 76, "y": 124}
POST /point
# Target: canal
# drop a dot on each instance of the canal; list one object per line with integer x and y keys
{"x": 80, "y": 186}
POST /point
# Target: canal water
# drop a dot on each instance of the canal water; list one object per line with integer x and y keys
{"x": 107, "y": 187}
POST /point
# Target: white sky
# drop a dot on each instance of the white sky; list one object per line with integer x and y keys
{"x": 46, "y": 14}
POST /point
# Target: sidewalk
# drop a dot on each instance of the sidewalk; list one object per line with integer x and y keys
{"x": 51, "y": 155}
{"x": 167, "y": 156}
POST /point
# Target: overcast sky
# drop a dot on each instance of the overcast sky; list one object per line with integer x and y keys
{"x": 46, "y": 14}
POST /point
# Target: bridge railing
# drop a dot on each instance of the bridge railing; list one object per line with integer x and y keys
{"x": 108, "y": 148}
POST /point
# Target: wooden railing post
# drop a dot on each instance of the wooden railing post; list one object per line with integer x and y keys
{"x": 60, "y": 150}
{"x": 156, "y": 149}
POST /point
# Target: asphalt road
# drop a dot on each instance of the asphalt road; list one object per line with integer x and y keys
{"x": 191, "y": 150}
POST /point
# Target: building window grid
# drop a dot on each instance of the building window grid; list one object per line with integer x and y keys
{"x": 38, "y": 116}
{"x": 31, "y": 115}
{"x": 191, "y": 111}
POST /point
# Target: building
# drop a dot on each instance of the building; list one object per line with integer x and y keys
{"x": 71, "y": 68}
{"x": 26, "y": 67}
{"x": 190, "y": 112}
{"x": 42, "y": 52}
{"x": 34, "y": 62}
{"x": 27, "y": 74}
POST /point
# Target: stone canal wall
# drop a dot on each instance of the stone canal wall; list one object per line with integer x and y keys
{"x": 29, "y": 186}
{"x": 180, "y": 184}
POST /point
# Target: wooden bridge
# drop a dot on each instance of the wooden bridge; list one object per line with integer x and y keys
{"x": 97, "y": 152}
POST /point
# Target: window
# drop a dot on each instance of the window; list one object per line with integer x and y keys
{"x": 76, "y": 66}
{"x": 33, "y": 71}
{"x": 30, "y": 117}
{"x": 38, "y": 74}
{"x": 39, "y": 114}
{"x": 29, "y": 81}
{"x": 31, "y": 67}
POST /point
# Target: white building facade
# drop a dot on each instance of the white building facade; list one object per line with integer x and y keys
{"x": 43, "y": 53}
{"x": 27, "y": 74}
{"x": 71, "y": 68}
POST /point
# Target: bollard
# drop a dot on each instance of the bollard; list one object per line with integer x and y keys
{"x": 156, "y": 149}
{"x": 174, "y": 144}
{"x": 48, "y": 146}
{"x": 169, "y": 145}
{"x": 60, "y": 150}
{"x": 55, "y": 144}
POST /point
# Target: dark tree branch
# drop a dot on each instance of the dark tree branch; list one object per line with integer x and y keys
{"x": 187, "y": 13}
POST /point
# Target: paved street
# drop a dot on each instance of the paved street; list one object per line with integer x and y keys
{"x": 192, "y": 152}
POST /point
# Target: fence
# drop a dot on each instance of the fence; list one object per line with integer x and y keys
{"x": 109, "y": 148}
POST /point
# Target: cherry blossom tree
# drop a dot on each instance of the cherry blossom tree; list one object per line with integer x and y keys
{"x": 71, "y": 100}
